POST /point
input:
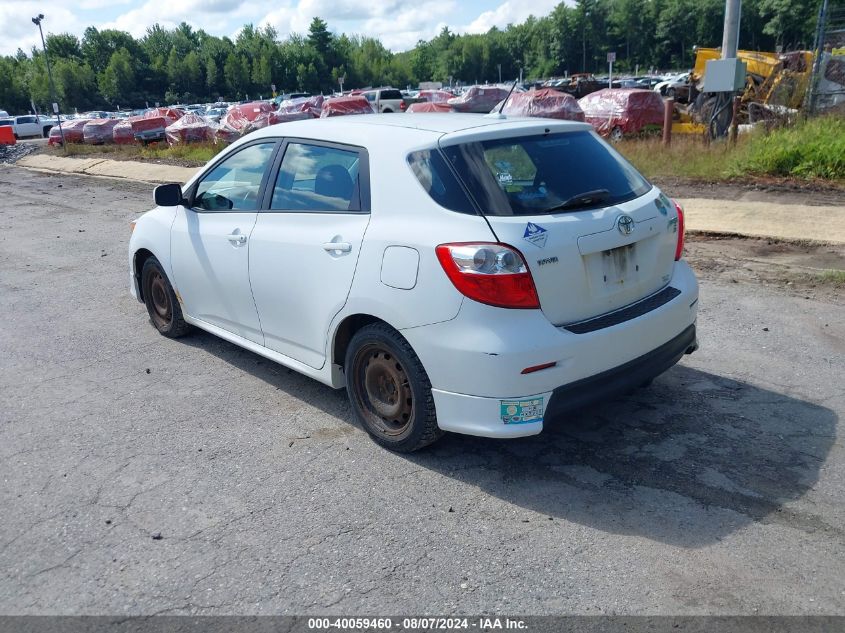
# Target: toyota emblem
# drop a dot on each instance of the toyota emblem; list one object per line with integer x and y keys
{"x": 625, "y": 224}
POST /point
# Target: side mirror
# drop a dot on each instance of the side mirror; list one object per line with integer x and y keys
{"x": 169, "y": 195}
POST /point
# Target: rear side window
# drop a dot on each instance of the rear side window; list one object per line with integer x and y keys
{"x": 538, "y": 174}
{"x": 26, "y": 119}
{"x": 435, "y": 176}
{"x": 391, "y": 94}
{"x": 318, "y": 178}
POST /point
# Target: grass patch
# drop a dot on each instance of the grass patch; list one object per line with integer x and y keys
{"x": 686, "y": 157}
{"x": 812, "y": 149}
{"x": 196, "y": 153}
{"x": 833, "y": 277}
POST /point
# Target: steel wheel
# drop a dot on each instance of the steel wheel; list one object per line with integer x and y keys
{"x": 616, "y": 134}
{"x": 162, "y": 311}
{"x": 383, "y": 391}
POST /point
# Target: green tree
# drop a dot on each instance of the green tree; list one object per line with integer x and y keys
{"x": 117, "y": 81}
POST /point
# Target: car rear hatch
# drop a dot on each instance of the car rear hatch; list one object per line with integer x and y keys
{"x": 595, "y": 235}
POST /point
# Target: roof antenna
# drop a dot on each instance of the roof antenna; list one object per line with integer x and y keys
{"x": 499, "y": 115}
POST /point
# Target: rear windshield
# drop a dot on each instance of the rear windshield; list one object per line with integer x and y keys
{"x": 551, "y": 173}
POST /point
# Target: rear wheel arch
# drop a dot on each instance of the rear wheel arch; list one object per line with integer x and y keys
{"x": 346, "y": 330}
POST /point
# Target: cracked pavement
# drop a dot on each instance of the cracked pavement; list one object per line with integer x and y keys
{"x": 719, "y": 489}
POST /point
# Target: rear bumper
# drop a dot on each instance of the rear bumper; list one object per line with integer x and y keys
{"x": 621, "y": 379}
{"x": 486, "y": 417}
{"x": 475, "y": 361}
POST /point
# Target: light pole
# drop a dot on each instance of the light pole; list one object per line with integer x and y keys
{"x": 37, "y": 21}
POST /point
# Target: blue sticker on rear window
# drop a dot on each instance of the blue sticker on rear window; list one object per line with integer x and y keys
{"x": 535, "y": 234}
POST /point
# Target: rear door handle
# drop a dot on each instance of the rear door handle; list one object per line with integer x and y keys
{"x": 343, "y": 247}
{"x": 237, "y": 238}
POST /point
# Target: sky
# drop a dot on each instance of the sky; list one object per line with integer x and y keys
{"x": 399, "y": 24}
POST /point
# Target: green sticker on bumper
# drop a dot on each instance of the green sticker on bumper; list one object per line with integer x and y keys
{"x": 521, "y": 411}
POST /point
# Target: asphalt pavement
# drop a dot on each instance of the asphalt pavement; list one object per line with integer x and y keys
{"x": 143, "y": 475}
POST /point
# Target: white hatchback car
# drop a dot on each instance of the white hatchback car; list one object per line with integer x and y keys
{"x": 454, "y": 272}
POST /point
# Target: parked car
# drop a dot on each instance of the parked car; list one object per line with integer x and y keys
{"x": 387, "y": 100}
{"x": 73, "y": 132}
{"x": 99, "y": 131}
{"x": 480, "y": 99}
{"x": 7, "y": 122}
{"x": 33, "y": 125}
{"x": 623, "y": 112}
{"x": 546, "y": 102}
{"x": 550, "y": 276}
{"x": 677, "y": 87}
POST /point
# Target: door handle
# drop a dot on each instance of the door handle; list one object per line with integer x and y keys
{"x": 237, "y": 238}
{"x": 343, "y": 247}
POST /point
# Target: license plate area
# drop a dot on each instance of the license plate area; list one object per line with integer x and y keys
{"x": 612, "y": 271}
{"x": 618, "y": 264}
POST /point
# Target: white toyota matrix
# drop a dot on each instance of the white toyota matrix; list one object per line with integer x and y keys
{"x": 457, "y": 272}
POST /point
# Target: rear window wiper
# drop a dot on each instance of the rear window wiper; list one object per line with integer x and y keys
{"x": 584, "y": 199}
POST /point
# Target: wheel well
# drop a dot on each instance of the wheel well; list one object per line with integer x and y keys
{"x": 346, "y": 330}
{"x": 141, "y": 256}
{"x": 47, "y": 129}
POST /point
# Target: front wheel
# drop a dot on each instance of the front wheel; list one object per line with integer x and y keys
{"x": 162, "y": 305}
{"x": 616, "y": 134}
{"x": 389, "y": 391}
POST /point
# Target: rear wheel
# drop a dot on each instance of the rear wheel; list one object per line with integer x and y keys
{"x": 162, "y": 305}
{"x": 616, "y": 134}
{"x": 389, "y": 391}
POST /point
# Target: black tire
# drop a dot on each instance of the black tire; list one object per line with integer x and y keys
{"x": 162, "y": 304}
{"x": 389, "y": 391}
{"x": 670, "y": 93}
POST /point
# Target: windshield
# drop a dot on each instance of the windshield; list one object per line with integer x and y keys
{"x": 530, "y": 175}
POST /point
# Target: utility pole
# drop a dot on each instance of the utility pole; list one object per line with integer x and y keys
{"x": 56, "y": 110}
{"x": 500, "y": 72}
{"x": 730, "y": 37}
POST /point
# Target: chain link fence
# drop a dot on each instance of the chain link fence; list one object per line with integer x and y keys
{"x": 826, "y": 93}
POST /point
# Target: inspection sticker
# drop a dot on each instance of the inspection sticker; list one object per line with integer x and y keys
{"x": 535, "y": 234}
{"x": 521, "y": 411}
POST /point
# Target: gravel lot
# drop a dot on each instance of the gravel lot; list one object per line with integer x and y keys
{"x": 720, "y": 489}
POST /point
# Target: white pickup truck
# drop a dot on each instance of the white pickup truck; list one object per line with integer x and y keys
{"x": 386, "y": 100}
{"x": 33, "y": 125}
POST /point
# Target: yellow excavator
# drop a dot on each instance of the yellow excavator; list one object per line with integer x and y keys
{"x": 775, "y": 84}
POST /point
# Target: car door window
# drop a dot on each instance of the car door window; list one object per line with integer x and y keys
{"x": 317, "y": 178}
{"x": 235, "y": 183}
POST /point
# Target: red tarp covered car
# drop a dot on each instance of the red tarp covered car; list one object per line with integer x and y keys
{"x": 429, "y": 106}
{"x": 435, "y": 96}
{"x": 150, "y": 126}
{"x": 622, "y": 112}
{"x": 479, "y": 99}
{"x": 243, "y": 119}
{"x": 298, "y": 109}
{"x": 547, "y": 102}
{"x": 72, "y": 130}
{"x": 191, "y": 128}
{"x": 340, "y": 106}
{"x": 122, "y": 133}
{"x": 99, "y": 131}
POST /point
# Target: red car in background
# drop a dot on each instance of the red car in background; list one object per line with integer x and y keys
{"x": 430, "y": 106}
{"x": 435, "y": 96}
{"x": 479, "y": 99}
{"x": 99, "y": 131}
{"x": 73, "y": 132}
{"x": 546, "y": 102}
{"x": 150, "y": 126}
{"x": 620, "y": 112}
{"x": 340, "y": 106}
{"x": 243, "y": 119}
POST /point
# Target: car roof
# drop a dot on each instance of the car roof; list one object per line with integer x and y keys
{"x": 350, "y": 128}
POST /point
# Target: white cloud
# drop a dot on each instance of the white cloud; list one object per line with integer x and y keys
{"x": 18, "y": 31}
{"x": 510, "y": 12}
{"x": 211, "y": 16}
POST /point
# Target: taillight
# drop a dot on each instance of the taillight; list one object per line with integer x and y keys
{"x": 679, "y": 249}
{"x": 402, "y": 105}
{"x": 489, "y": 273}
